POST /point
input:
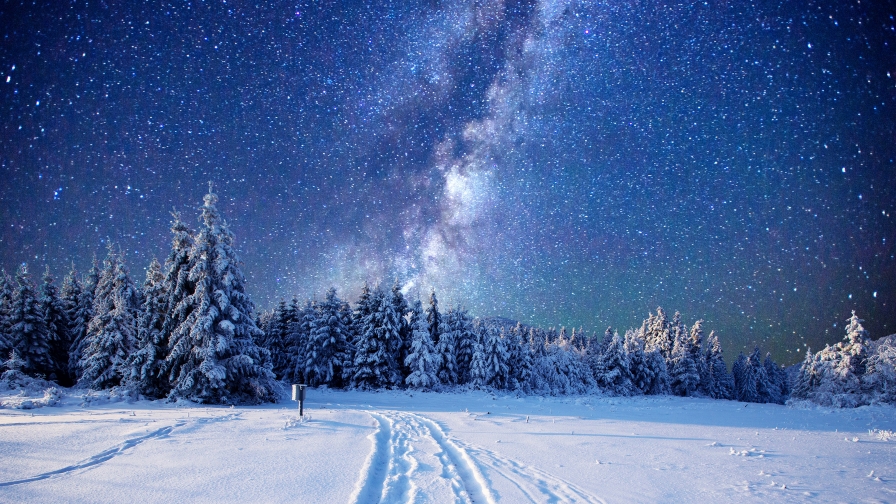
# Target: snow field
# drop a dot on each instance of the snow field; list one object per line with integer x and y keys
{"x": 397, "y": 447}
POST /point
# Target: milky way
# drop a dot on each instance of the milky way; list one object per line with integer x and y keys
{"x": 557, "y": 162}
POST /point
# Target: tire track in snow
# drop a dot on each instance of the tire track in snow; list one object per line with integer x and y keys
{"x": 476, "y": 485}
{"x": 399, "y": 485}
{"x": 537, "y": 485}
{"x": 373, "y": 473}
{"x": 98, "y": 458}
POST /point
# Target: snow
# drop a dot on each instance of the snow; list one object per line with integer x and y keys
{"x": 355, "y": 446}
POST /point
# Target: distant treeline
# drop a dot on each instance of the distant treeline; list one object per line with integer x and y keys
{"x": 191, "y": 332}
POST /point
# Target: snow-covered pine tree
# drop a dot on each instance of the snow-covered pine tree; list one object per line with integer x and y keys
{"x": 57, "y": 322}
{"x": 402, "y": 309}
{"x": 6, "y": 297}
{"x": 423, "y": 361}
{"x": 642, "y": 375}
{"x": 777, "y": 381}
{"x": 213, "y": 356}
{"x": 297, "y": 340}
{"x": 683, "y": 369}
{"x": 447, "y": 348}
{"x": 82, "y": 319}
{"x": 854, "y": 348}
{"x": 695, "y": 347}
{"x": 657, "y": 332}
{"x": 661, "y": 382}
{"x": 144, "y": 364}
{"x": 880, "y": 375}
{"x": 111, "y": 333}
{"x": 30, "y": 337}
{"x": 750, "y": 380}
{"x": 520, "y": 359}
{"x": 71, "y": 294}
{"x": 719, "y": 383}
{"x": 433, "y": 317}
{"x": 808, "y": 378}
{"x": 465, "y": 342}
{"x": 177, "y": 284}
{"x": 363, "y": 308}
{"x": 328, "y": 344}
{"x": 274, "y": 338}
{"x": 613, "y": 372}
{"x": 374, "y": 364}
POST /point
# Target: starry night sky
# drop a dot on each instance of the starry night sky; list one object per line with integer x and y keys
{"x": 556, "y": 162}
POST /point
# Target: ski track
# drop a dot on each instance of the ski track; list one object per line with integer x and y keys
{"x": 388, "y": 475}
{"x": 98, "y": 458}
{"x": 373, "y": 474}
{"x": 537, "y": 485}
{"x": 476, "y": 485}
{"x": 106, "y": 455}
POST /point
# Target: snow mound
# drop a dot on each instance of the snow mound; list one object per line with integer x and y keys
{"x": 20, "y": 391}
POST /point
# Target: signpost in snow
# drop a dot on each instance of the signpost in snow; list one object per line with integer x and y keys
{"x": 298, "y": 394}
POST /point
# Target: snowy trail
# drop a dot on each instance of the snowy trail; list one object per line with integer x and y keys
{"x": 413, "y": 461}
{"x": 99, "y": 458}
{"x": 537, "y": 485}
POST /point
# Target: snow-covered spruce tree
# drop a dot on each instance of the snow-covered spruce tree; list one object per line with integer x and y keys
{"x": 402, "y": 309}
{"x": 807, "y": 379}
{"x": 660, "y": 383}
{"x": 82, "y": 319}
{"x": 71, "y": 294}
{"x": 433, "y": 317}
{"x": 29, "y": 334}
{"x": 657, "y": 333}
{"x": 144, "y": 364}
{"x": 695, "y": 347}
{"x": 274, "y": 338}
{"x": 177, "y": 284}
{"x": 423, "y": 361}
{"x": 449, "y": 341}
{"x": 111, "y": 333}
{"x": 641, "y": 374}
{"x": 465, "y": 341}
{"x": 750, "y": 380}
{"x": 520, "y": 359}
{"x": 6, "y": 297}
{"x": 561, "y": 369}
{"x": 719, "y": 383}
{"x": 777, "y": 390}
{"x": 56, "y": 318}
{"x": 213, "y": 357}
{"x": 613, "y": 372}
{"x": 328, "y": 346}
{"x": 363, "y": 308}
{"x": 298, "y": 338}
{"x": 374, "y": 364}
{"x": 880, "y": 375}
{"x": 683, "y": 368}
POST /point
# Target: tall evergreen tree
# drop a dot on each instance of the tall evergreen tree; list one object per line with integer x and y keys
{"x": 213, "y": 356}
{"x": 777, "y": 389}
{"x": 613, "y": 370}
{"x": 405, "y": 328}
{"x": 657, "y": 333}
{"x": 434, "y": 318}
{"x": 298, "y": 341}
{"x": 111, "y": 333}
{"x": 449, "y": 342}
{"x": 423, "y": 361}
{"x": 6, "y": 303}
{"x": 145, "y": 363}
{"x": 720, "y": 384}
{"x": 82, "y": 319}
{"x": 177, "y": 283}
{"x": 275, "y": 336}
{"x": 56, "y": 319}
{"x": 374, "y": 364}
{"x": 519, "y": 358}
{"x": 30, "y": 336}
{"x": 328, "y": 345}
{"x": 71, "y": 294}
{"x": 683, "y": 368}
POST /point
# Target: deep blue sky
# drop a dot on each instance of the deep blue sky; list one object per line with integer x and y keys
{"x": 558, "y": 162}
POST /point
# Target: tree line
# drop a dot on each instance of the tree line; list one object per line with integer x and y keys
{"x": 191, "y": 332}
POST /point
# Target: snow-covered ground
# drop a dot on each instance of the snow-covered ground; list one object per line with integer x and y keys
{"x": 425, "y": 447}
